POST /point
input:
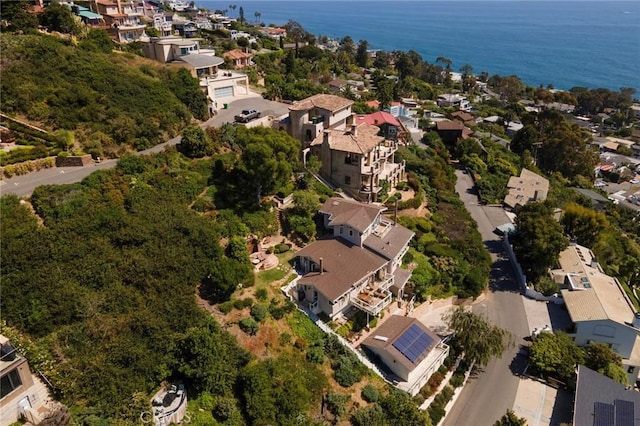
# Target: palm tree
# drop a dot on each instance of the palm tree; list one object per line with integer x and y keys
{"x": 257, "y": 15}
{"x": 232, "y": 7}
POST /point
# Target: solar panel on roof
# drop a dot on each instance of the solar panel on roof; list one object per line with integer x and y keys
{"x": 413, "y": 343}
{"x": 624, "y": 412}
{"x": 603, "y": 414}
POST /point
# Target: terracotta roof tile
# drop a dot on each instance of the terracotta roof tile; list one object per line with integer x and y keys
{"x": 329, "y": 102}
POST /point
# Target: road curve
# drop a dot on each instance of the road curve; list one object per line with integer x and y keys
{"x": 487, "y": 397}
{"x": 23, "y": 186}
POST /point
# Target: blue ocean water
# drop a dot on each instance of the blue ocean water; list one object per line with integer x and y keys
{"x": 563, "y": 43}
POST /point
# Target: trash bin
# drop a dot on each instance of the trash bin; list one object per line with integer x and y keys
{"x": 225, "y": 106}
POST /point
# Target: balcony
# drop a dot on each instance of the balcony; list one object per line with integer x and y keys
{"x": 372, "y": 301}
{"x": 371, "y": 169}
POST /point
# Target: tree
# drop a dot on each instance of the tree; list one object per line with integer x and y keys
{"x": 195, "y": 142}
{"x": 400, "y": 410}
{"x": 510, "y": 419}
{"x": 257, "y": 15}
{"x": 211, "y": 358}
{"x": 362, "y": 55}
{"x": 539, "y": 239}
{"x": 296, "y": 33}
{"x": 384, "y": 92}
{"x": 18, "y": 15}
{"x": 566, "y": 149}
{"x": 601, "y": 358}
{"x": 524, "y": 140}
{"x": 583, "y": 224}
{"x": 57, "y": 17}
{"x": 555, "y": 354}
{"x": 241, "y": 15}
{"x": 476, "y": 337}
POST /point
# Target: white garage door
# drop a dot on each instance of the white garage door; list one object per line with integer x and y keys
{"x": 223, "y": 92}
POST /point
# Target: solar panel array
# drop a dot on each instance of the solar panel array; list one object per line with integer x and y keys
{"x": 603, "y": 414}
{"x": 413, "y": 342}
{"x": 624, "y": 412}
{"x": 620, "y": 413}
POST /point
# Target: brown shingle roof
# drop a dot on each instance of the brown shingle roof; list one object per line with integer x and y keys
{"x": 392, "y": 329}
{"x": 348, "y": 212}
{"x": 344, "y": 264}
{"x": 364, "y": 141}
{"x": 449, "y": 125}
{"x": 329, "y": 102}
{"x": 391, "y": 242}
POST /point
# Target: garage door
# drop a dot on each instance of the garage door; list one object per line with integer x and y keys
{"x": 223, "y": 92}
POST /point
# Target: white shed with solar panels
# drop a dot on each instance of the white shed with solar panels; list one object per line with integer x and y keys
{"x": 409, "y": 349}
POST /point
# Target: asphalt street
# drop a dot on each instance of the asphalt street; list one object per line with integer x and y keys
{"x": 24, "y": 185}
{"x": 489, "y": 394}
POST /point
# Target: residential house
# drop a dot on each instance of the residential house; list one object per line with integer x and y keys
{"x": 235, "y": 35}
{"x": 310, "y": 116}
{"x": 239, "y": 58}
{"x": 185, "y": 28}
{"x": 561, "y": 107}
{"x": 21, "y": 394}
{"x": 274, "y": 33}
{"x": 358, "y": 160}
{"x": 220, "y": 85}
{"x": 451, "y": 100}
{"x": 359, "y": 265}
{"x": 464, "y": 117}
{"x": 409, "y": 349}
{"x": 124, "y": 19}
{"x": 451, "y": 131}
{"x": 635, "y": 110}
{"x": 163, "y": 22}
{"x": 337, "y": 86}
{"x": 525, "y": 188}
{"x": 598, "y": 306}
{"x": 88, "y": 17}
{"x": 512, "y": 127}
{"x": 600, "y": 400}
{"x": 389, "y": 125}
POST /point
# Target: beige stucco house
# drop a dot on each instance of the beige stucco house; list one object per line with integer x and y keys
{"x": 21, "y": 394}
{"x": 529, "y": 186}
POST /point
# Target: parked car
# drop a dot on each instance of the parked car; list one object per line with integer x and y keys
{"x": 247, "y": 115}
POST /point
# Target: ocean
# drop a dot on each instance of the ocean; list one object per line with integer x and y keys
{"x": 559, "y": 43}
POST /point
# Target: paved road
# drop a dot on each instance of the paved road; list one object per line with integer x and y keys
{"x": 488, "y": 396}
{"x": 23, "y": 186}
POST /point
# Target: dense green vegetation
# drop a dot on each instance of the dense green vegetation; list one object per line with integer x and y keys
{"x": 111, "y": 104}
{"x": 449, "y": 253}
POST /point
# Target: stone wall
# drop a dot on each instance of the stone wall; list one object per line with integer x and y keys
{"x": 74, "y": 161}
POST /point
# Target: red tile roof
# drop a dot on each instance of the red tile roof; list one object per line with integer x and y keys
{"x": 378, "y": 118}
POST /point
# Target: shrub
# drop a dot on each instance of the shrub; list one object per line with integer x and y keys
{"x": 262, "y": 294}
{"x": 226, "y": 307}
{"x": 238, "y": 304}
{"x": 249, "y": 326}
{"x": 370, "y": 393}
{"x": 285, "y": 338}
{"x": 436, "y": 412}
{"x": 300, "y": 344}
{"x": 348, "y": 370}
{"x": 247, "y": 302}
{"x": 336, "y": 403}
{"x": 282, "y": 248}
{"x": 315, "y": 354}
{"x": 259, "y": 312}
{"x": 457, "y": 380}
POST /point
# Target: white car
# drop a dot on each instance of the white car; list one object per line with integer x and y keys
{"x": 634, "y": 181}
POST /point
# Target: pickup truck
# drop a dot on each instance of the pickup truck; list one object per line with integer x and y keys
{"x": 247, "y": 115}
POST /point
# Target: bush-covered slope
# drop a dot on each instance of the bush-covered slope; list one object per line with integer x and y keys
{"x": 110, "y": 101}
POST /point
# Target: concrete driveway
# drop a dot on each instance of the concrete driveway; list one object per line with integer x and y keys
{"x": 24, "y": 185}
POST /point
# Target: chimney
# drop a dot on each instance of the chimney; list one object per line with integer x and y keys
{"x": 354, "y": 128}
{"x": 594, "y": 263}
{"x": 321, "y": 266}
{"x": 395, "y": 214}
{"x": 325, "y": 137}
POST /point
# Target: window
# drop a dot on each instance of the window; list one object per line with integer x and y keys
{"x": 351, "y": 158}
{"x": 347, "y": 180}
{"x": 631, "y": 369}
{"x": 350, "y": 233}
{"x": 9, "y": 382}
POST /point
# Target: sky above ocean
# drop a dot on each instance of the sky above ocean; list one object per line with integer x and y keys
{"x": 562, "y": 43}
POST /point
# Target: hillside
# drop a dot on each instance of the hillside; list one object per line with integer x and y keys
{"x": 113, "y": 102}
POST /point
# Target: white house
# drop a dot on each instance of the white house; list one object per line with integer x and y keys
{"x": 599, "y": 307}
